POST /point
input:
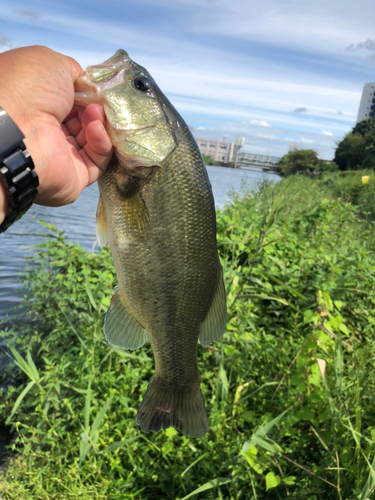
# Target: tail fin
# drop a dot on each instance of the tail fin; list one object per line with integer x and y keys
{"x": 183, "y": 410}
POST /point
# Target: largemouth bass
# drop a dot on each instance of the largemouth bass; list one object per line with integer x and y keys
{"x": 156, "y": 210}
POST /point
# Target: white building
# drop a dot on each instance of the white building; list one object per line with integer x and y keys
{"x": 217, "y": 150}
{"x": 367, "y": 104}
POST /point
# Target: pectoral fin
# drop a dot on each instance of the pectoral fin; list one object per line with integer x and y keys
{"x": 213, "y": 326}
{"x": 121, "y": 329}
{"x": 101, "y": 224}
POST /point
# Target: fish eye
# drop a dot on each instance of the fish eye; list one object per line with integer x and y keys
{"x": 142, "y": 83}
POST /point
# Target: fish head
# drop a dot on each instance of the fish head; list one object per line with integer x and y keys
{"x": 141, "y": 122}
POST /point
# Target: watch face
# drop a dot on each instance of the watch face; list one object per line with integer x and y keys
{"x": 11, "y": 136}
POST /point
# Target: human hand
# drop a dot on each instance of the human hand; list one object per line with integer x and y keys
{"x": 69, "y": 145}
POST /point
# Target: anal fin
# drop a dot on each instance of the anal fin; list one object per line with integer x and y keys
{"x": 121, "y": 329}
{"x": 213, "y": 326}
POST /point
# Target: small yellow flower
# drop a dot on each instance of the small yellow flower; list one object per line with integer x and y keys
{"x": 365, "y": 179}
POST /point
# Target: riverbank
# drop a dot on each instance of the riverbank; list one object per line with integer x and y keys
{"x": 289, "y": 389}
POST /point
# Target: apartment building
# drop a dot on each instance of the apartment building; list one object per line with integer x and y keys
{"x": 217, "y": 150}
{"x": 367, "y": 104}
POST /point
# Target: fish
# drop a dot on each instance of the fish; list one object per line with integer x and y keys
{"x": 156, "y": 210}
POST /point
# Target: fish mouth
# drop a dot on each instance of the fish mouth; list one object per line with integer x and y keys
{"x": 99, "y": 77}
{"x": 107, "y": 70}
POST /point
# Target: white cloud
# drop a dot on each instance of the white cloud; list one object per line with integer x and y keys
{"x": 261, "y": 123}
{"x": 325, "y": 132}
{"x": 266, "y": 136}
{"x": 307, "y": 141}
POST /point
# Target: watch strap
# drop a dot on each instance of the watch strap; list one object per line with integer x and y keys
{"x": 16, "y": 171}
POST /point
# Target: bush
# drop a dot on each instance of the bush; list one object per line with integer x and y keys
{"x": 289, "y": 389}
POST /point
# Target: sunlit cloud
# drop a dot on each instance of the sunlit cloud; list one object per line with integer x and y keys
{"x": 261, "y": 123}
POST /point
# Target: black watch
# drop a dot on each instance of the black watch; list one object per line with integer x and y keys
{"x": 16, "y": 171}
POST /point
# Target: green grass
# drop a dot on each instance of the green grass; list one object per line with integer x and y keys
{"x": 289, "y": 389}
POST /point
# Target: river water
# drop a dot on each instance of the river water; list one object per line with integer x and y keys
{"x": 78, "y": 222}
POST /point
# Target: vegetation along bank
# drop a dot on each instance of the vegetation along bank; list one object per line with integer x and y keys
{"x": 289, "y": 388}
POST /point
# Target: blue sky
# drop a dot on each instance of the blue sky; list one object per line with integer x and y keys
{"x": 275, "y": 71}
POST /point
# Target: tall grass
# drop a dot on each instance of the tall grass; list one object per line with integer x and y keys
{"x": 289, "y": 389}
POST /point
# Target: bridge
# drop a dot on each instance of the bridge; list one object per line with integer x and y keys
{"x": 264, "y": 162}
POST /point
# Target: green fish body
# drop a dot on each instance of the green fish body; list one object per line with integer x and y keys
{"x": 157, "y": 212}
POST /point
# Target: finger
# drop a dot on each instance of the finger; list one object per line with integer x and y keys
{"x": 94, "y": 169}
{"x": 74, "y": 125}
{"x": 81, "y": 138}
{"x": 97, "y": 138}
{"x": 73, "y": 142}
{"x": 101, "y": 161}
{"x": 91, "y": 113}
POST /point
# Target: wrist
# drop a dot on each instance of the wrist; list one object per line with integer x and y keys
{"x": 3, "y": 203}
{"x": 18, "y": 180}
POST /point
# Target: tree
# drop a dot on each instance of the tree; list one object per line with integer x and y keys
{"x": 365, "y": 127}
{"x": 350, "y": 151}
{"x": 369, "y": 157}
{"x": 356, "y": 149}
{"x": 303, "y": 161}
{"x": 209, "y": 161}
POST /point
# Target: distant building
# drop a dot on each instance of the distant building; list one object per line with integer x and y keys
{"x": 217, "y": 150}
{"x": 238, "y": 144}
{"x": 249, "y": 159}
{"x": 367, "y": 104}
{"x": 292, "y": 147}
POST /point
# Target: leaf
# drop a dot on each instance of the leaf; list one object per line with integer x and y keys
{"x": 88, "y": 290}
{"x": 170, "y": 432}
{"x": 266, "y": 444}
{"x": 99, "y": 417}
{"x": 214, "y": 483}
{"x": 264, "y": 429}
{"x": 19, "y": 400}
{"x": 84, "y": 447}
{"x": 192, "y": 465}
{"x": 289, "y": 480}
{"x": 338, "y": 304}
{"x": 21, "y": 363}
{"x": 344, "y": 328}
{"x": 32, "y": 367}
{"x": 119, "y": 444}
{"x": 338, "y": 362}
{"x": 269, "y": 297}
{"x": 272, "y": 481}
{"x": 370, "y": 483}
{"x": 250, "y": 454}
{"x": 87, "y": 407}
